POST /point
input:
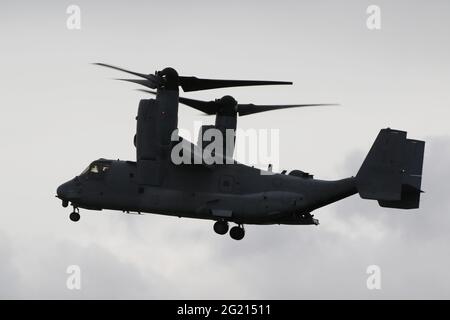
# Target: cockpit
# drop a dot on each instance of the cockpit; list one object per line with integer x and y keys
{"x": 97, "y": 168}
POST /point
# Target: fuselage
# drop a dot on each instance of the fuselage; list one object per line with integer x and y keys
{"x": 232, "y": 192}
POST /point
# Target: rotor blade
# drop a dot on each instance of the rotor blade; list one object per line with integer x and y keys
{"x": 144, "y": 82}
{"x": 195, "y": 84}
{"x": 147, "y": 91}
{"x": 208, "y": 107}
{"x": 149, "y": 77}
{"x": 211, "y": 107}
{"x": 246, "y": 109}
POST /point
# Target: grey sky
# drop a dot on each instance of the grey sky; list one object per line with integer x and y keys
{"x": 58, "y": 113}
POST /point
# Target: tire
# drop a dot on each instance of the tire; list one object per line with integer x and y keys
{"x": 221, "y": 227}
{"x": 237, "y": 233}
{"x": 74, "y": 216}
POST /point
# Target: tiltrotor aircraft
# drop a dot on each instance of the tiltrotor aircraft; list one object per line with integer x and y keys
{"x": 228, "y": 191}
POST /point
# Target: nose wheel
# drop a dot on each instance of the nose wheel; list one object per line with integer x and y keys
{"x": 75, "y": 215}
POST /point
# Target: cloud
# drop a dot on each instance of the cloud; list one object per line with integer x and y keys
{"x": 41, "y": 273}
{"x": 9, "y": 277}
{"x": 151, "y": 256}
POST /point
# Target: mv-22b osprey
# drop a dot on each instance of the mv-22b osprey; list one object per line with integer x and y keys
{"x": 230, "y": 192}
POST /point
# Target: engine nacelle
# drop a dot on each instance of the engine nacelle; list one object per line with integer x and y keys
{"x": 219, "y": 138}
{"x": 156, "y": 122}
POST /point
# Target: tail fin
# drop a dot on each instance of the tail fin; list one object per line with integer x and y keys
{"x": 392, "y": 171}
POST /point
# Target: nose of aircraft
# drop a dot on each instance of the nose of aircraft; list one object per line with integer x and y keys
{"x": 62, "y": 191}
{"x": 67, "y": 192}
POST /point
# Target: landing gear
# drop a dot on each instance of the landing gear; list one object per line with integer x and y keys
{"x": 237, "y": 232}
{"x": 221, "y": 227}
{"x": 75, "y": 215}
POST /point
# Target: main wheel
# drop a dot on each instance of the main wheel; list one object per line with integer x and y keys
{"x": 221, "y": 227}
{"x": 74, "y": 216}
{"x": 237, "y": 233}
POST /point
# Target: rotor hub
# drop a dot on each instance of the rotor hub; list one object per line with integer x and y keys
{"x": 227, "y": 106}
{"x": 170, "y": 78}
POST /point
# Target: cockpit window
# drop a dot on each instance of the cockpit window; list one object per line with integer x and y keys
{"x": 96, "y": 168}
